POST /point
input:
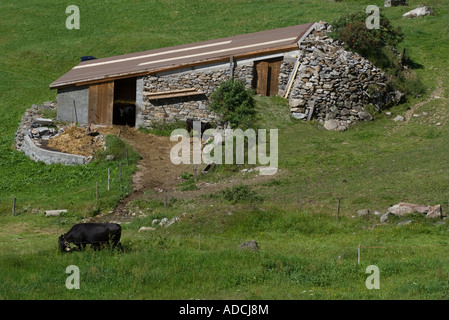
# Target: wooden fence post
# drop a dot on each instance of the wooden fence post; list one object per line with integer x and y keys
{"x": 14, "y": 206}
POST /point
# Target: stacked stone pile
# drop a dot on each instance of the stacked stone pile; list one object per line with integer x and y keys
{"x": 337, "y": 83}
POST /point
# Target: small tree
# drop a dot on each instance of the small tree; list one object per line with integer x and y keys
{"x": 235, "y": 103}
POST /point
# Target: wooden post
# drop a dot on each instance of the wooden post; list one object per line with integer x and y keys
{"x": 358, "y": 254}
{"x": 14, "y": 206}
{"x": 120, "y": 171}
{"x": 109, "y": 178}
{"x": 96, "y": 185}
{"x": 231, "y": 67}
{"x": 165, "y": 199}
{"x": 338, "y": 208}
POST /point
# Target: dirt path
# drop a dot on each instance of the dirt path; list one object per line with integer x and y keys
{"x": 155, "y": 170}
{"x": 438, "y": 92}
{"x": 157, "y": 173}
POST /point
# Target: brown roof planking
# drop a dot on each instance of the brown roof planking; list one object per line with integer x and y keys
{"x": 183, "y": 56}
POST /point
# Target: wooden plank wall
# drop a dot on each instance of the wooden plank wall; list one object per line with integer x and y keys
{"x": 267, "y": 74}
{"x": 101, "y": 101}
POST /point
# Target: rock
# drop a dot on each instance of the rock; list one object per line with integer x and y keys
{"x": 163, "y": 222}
{"x": 54, "y": 213}
{"x": 155, "y": 221}
{"x": 434, "y": 212}
{"x": 394, "y": 3}
{"x": 404, "y": 208}
{"x": 250, "y": 245}
{"x": 169, "y": 223}
{"x": 146, "y": 229}
{"x": 384, "y": 217}
{"x": 298, "y": 115}
{"x": 398, "y": 118}
{"x": 365, "y": 116}
{"x": 418, "y": 12}
{"x": 331, "y": 125}
{"x": 43, "y": 122}
{"x": 403, "y": 223}
{"x": 363, "y": 212}
{"x": 297, "y": 103}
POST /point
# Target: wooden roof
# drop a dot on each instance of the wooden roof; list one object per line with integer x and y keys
{"x": 182, "y": 56}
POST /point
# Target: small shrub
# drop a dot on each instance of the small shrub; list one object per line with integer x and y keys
{"x": 235, "y": 103}
{"x": 240, "y": 193}
{"x": 353, "y": 32}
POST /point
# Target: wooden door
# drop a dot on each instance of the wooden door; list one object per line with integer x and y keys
{"x": 274, "y": 68}
{"x": 262, "y": 78}
{"x": 267, "y": 77}
{"x": 101, "y": 101}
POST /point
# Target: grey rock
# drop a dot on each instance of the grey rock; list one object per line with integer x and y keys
{"x": 331, "y": 125}
{"x": 298, "y": 115}
{"x": 365, "y": 116}
{"x": 418, "y": 12}
{"x": 250, "y": 245}
{"x": 384, "y": 217}
{"x": 398, "y": 118}
{"x": 363, "y": 212}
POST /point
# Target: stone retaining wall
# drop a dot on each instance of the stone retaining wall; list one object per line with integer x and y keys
{"x": 25, "y": 144}
{"x": 182, "y": 108}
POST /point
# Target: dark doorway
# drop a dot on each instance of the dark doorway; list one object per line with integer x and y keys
{"x": 266, "y": 76}
{"x": 125, "y": 102}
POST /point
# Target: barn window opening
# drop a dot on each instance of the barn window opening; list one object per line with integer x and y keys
{"x": 124, "y": 109}
{"x": 266, "y": 76}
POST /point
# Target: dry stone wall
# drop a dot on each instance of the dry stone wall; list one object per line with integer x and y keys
{"x": 182, "y": 108}
{"x": 337, "y": 83}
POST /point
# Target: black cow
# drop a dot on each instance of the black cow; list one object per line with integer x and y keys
{"x": 204, "y": 125}
{"x": 95, "y": 234}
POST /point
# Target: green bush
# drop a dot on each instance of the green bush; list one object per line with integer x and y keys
{"x": 353, "y": 32}
{"x": 235, "y": 103}
{"x": 240, "y": 193}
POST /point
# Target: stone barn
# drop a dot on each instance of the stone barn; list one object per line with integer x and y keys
{"x": 175, "y": 83}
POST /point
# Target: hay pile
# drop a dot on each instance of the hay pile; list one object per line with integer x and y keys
{"x": 75, "y": 140}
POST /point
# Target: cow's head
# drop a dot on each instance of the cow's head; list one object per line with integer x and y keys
{"x": 64, "y": 245}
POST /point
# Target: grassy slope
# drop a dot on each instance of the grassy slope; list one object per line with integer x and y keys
{"x": 381, "y": 162}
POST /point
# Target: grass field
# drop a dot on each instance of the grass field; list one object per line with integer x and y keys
{"x": 305, "y": 253}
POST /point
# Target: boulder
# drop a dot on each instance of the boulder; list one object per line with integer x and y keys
{"x": 363, "y": 212}
{"x": 250, "y": 245}
{"x": 398, "y": 118}
{"x": 365, "y": 116}
{"x": 331, "y": 125}
{"x": 404, "y": 208}
{"x": 418, "y": 12}
{"x": 297, "y": 103}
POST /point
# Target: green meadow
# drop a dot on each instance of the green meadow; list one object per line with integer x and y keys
{"x": 306, "y": 251}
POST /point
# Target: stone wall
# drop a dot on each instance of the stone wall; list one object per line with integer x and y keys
{"x": 24, "y": 141}
{"x": 337, "y": 83}
{"x": 181, "y": 108}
